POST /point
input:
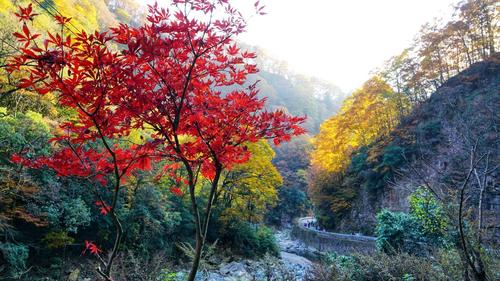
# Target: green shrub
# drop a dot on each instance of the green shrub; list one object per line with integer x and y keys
{"x": 449, "y": 260}
{"x": 398, "y": 267}
{"x": 401, "y": 266}
{"x": 167, "y": 275}
{"x": 267, "y": 242}
{"x": 76, "y": 214}
{"x": 358, "y": 161}
{"x": 393, "y": 156}
{"x": 249, "y": 240}
{"x": 151, "y": 215}
{"x": 429, "y": 131}
{"x": 377, "y": 267}
{"x": 15, "y": 257}
{"x": 57, "y": 239}
{"x": 342, "y": 267}
{"x": 69, "y": 214}
{"x": 396, "y": 232}
{"x": 429, "y": 213}
{"x": 241, "y": 238}
{"x": 418, "y": 232}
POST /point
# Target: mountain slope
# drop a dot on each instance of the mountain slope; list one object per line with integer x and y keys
{"x": 430, "y": 146}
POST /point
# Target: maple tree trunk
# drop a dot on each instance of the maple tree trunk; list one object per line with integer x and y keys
{"x": 201, "y": 231}
{"x": 118, "y": 238}
{"x": 106, "y": 273}
{"x": 116, "y": 221}
{"x": 197, "y": 257}
{"x": 196, "y": 214}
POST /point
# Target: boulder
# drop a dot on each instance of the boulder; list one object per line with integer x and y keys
{"x": 234, "y": 269}
{"x": 73, "y": 276}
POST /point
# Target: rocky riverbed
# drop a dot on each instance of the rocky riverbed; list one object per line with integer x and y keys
{"x": 290, "y": 266}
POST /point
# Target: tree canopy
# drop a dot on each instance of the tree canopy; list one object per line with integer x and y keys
{"x": 371, "y": 112}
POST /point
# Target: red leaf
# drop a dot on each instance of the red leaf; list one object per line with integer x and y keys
{"x": 26, "y": 30}
{"x": 105, "y": 209}
{"x": 176, "y": 191}
{"x": 92, "y": 248}
{"x": 18, "y": 35}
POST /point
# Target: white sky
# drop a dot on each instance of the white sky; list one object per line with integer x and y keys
{"x": 339, "y": 40}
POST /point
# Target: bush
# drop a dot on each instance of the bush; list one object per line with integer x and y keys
{"x": 248, "y": 240}
{"x": 358, "y": 161}
{"x": 76, "y": 214}
{"x": 402, "y": 266}
{"x": 380, "y": 266}
{"x": 429, "y": 131}
{"x": 342, "y": 267}
{"x": 57, "y": 239}
{"x": 429, "y": 213}
{"x": 267, "y": 242}
{"x": 393, "y": 156}
{"x": 15, "y": 257}
{"x": 151, "y": 215}
{"x": 396, "y": 232}
{"x": 450, "y": 262}
{"x": 424, "y": 226}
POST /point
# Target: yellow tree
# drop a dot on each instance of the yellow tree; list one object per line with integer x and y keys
{"x": 369, "y": 113}
{"x": 250, "y": 189}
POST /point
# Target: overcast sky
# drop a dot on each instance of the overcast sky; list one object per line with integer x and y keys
{"x": 339, "y": 40}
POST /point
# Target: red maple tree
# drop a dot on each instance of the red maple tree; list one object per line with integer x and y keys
{"x": 181, "y": 75}
{"x": 193, "y": 95}
{"x": 84, "y": 73}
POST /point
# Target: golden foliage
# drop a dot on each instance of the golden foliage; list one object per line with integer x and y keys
{"x": 369, "y": 113}
{"x": 250, "y": 188}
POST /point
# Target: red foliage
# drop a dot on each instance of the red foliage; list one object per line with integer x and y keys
{"x": 26, "y": 14}
{"x": 176, "y": 191}
{"x": 103, "y": 207}
{"x": 191, "y": 81}
{"x": 92, "y": 248}
{"x": 180, "y": 74}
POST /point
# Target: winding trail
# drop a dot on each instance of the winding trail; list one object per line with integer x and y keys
{"x": 300, "y": 250}
{"x": 303, "y": 222}
{"x": 306, "y": 241}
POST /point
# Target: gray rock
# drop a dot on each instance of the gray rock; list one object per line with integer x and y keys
{"x": 214, "y": 276}
{"x": 234, "y": 269}
{"x": 295, "y": 260}
{"x": 73, "y": 276}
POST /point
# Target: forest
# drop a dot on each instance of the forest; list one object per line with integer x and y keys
{"x": 146, "y": 142}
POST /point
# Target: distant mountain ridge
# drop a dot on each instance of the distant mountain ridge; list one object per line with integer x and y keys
{"x": 297, "y": 93}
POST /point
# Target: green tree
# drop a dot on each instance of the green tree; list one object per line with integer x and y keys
{"x": 428, "y": 211}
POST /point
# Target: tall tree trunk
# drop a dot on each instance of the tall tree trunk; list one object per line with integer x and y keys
{"x": 197, "y": 257}
{"x": 467, "y": 52}
{"x": 196, "y": 214}
{"x": 112, "y": 211}
{"x": 201, "y": 229}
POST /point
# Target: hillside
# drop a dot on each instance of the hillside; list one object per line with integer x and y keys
{"x": 430, "y": 147}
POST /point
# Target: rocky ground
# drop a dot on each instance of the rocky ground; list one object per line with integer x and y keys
{"x": 290, "y": 266}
